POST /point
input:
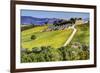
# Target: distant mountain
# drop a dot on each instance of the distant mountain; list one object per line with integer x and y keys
{"x": 27, "y": 20}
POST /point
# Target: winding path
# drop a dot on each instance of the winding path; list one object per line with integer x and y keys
{"x": 71, "y": 36}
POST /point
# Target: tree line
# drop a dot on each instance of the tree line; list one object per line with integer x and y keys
{"x": 48, "y": 53}
{"x": 64, "y": 22}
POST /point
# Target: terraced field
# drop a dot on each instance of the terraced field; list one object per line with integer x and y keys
{"x": 55, "y": 39}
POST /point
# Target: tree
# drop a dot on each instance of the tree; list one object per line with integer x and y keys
{"x": 72, "y": 20}
{"x": 33, "y": 37}
{"x": 79, "y": 18}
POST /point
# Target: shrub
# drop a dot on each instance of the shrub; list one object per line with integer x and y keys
{"x": 36, "y": 50}
{"x": 33, "y": 37}
{"x": 48, "y": 53}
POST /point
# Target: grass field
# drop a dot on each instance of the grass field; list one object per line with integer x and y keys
{"x": 55, "y": 39}
{"x": 52, "y": 42}
{"x": 82, "y": 34}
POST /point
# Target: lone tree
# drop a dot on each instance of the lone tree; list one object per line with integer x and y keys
{"x": 79, "y": 18}
{"x": 33, "y": 37}
{"x": 73, "y": 20}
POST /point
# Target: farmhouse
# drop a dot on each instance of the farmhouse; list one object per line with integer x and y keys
{"x": 79, "y": 21}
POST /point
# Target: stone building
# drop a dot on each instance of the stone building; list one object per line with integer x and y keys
{"x": 79, "y": 22}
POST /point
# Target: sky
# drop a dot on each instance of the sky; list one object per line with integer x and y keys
{"x": 54, "y": 14}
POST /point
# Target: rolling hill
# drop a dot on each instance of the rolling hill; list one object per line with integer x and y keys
{"x": 26, "y": 20}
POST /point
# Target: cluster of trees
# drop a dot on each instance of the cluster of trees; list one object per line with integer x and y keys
{"x": 69, "y": 53}
{"x": 43, "y": 54}
{"x": 61, "y": 22}
{"x": 64, "y": 22}
{"x": 46, "y": 54}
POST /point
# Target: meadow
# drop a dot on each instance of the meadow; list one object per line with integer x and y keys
{"x": 47, "y": 46}
{"x": 82, "y": 35}
{"x": 54, "y": 39}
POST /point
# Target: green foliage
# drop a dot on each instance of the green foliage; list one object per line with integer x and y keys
{"x": 82, "y": 34}
{"x": 46, "y": 54}
{"x": 33, "y": 37}
{"x": 45, "y": 38}
{"x": 40, "y": 55}
{"x": 78, "y": 49}
{"x": 72, "y": 20}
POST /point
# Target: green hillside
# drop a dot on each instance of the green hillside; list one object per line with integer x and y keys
{"x": 82, "y": 35}
{"x": 38, "y": 45}
{"x": 54, "y": 39}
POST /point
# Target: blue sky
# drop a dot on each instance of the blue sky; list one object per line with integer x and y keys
{"x": 53, "y": 14}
